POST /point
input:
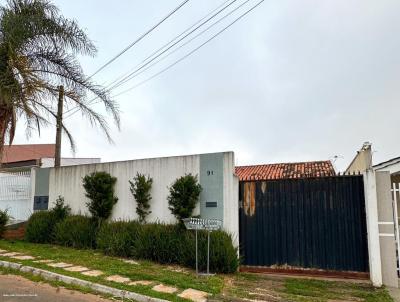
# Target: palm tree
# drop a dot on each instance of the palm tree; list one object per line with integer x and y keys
{"x": 38, "y": 53}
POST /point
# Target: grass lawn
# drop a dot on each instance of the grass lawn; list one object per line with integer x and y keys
{"x": 235, "y": 287}
{"x": 259, "y": 287}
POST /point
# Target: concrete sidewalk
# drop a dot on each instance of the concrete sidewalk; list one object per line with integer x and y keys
{"x": 84, "y": 283}
{"x": 19, "y": 289}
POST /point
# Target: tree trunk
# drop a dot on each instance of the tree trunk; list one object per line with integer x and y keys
{"x": 7, "y": 128}
{"x": 57, "y": 156}
{"x": 3, "y": 128}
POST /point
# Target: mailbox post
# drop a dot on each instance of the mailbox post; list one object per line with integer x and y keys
{"x": 208, "y": 225}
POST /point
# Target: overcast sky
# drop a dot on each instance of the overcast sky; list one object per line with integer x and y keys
{"x": 292, "y": 81}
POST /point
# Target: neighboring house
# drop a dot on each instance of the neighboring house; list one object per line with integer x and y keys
{"x": 285, "y": 170}
{"x": 362, "y": 161}
{"x": 391, "y": 165}
{"x": 23, "y": 157}
{"x": 18, "y": 182}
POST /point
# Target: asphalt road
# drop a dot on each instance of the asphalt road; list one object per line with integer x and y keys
{"x": 19, "y": 289}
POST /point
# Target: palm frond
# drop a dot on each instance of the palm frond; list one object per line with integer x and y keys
{"x": 38, "y": 52}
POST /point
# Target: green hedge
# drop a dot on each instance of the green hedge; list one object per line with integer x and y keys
{"x": 162, "y": 243}
{"x": 40, "y": 227}
{"x": 76, "y": 231}
{"x": 167, "y": 244}
{"x": 118, "y": 238}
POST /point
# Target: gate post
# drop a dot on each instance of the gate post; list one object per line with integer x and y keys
{"x": 371, "y": 209}
{"x": 386, "y": 229}
{"x": 33, "y": 188}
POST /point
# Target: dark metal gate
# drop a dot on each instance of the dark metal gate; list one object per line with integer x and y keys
{"x": 304, "y": 223}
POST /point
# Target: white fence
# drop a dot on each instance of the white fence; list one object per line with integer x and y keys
{"x": 15, "y": 194}
{"x": 396, "y": 198}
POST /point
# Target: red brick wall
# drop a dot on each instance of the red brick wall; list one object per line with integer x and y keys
{"x": 15, "y": 233}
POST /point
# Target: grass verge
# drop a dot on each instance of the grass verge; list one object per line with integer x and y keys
{"x": 272, "y": 288}
{"x": 234, "y": 287}
{"x": 317, "y": 290}
{"x": 169, "y": 275}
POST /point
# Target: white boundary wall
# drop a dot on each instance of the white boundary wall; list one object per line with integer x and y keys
{"x": 67, "y": 182}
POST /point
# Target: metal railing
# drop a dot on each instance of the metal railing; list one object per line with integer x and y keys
{"x": 15, "y": 186}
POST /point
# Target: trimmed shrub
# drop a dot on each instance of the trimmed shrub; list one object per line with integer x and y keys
{"x": 173, "y": 244}
{"x": 183, "y": 196}
{"x": 61, "y": 211}
{"x": 140, "y": 188}
{"x": 99, "y": 188}
{"x": 76, "y": 231}
{"x": 119, "y": 238}
{"x": 167, "y": 244}
{"x": 163, "y": 243}
{"x": 4, "y": 218}
{"x": 40, "y": 226}
{"x": 223, "y": 256}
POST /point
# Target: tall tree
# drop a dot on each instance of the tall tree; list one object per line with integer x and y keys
{"x": 38, "y": 53}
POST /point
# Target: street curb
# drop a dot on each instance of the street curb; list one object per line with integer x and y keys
{"x": 75, "y": 281}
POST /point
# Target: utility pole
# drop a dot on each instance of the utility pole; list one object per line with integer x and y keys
{"x": 57, "y": 156}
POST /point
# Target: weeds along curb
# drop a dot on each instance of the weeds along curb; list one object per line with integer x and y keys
{"x": 75, "y": 281}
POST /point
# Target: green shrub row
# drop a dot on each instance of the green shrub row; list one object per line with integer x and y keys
{"x": 76, "y": 231}
{"x": 40, "y": 227}
{"x": 167, "y": 244}
{"x": 162, "y": 243}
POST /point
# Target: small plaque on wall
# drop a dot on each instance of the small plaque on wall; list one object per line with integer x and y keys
{"x": 211, "y": 204}
{"x": 40, "y": 203}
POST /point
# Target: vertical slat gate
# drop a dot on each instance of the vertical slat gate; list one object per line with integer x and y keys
{"x": 304, "y": 223}
{"x": 15, "y": 194}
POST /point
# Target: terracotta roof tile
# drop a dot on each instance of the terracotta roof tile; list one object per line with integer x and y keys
{"x": 285, "y": 170}
{"x": 17, "y": 153}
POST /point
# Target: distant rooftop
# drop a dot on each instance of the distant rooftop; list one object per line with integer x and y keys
{"x": 285, "y": 170}
{"x": 389, "y": 162}
{"x": 17, "y": 153}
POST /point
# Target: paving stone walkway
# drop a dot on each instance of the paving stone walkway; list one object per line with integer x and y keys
{"x": 23, "y": 257}
{"x": 44, "y": 261}
{"x": 93, "y": 273}
{"x": 130, "y": 261}
{"x": 190, "y": 294}
{"x": 141, "y": 282}
{"x": 194, "y": 295}
{"x": 59, "y": 264}
{"x": 76, "y": 269}
{"x": 161, "y": 288}
{"x": 118, "y": 279}
{"x": 10, "y": 254}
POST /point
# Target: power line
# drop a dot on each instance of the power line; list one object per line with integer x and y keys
{"x": 136, "y": 73}
{"x": 126, "y": 78}
{"x": 191, "y": 52}
{"x": 116, "y": 83}
{"x": 140, "y": 38}
{"x": 165, "y": 45}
